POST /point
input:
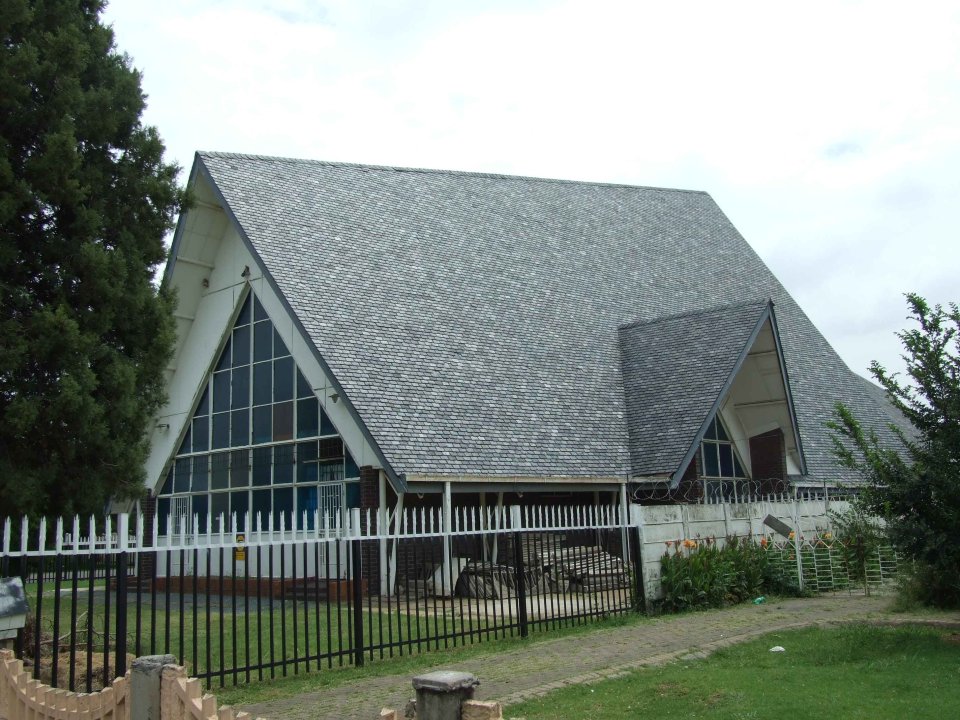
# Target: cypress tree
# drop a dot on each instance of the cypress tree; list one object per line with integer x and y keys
{"x": 85, "y": 202}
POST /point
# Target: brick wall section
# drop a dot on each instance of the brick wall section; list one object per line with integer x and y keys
{"x": 769, "y": 461}
{"x": 370, "y": 500}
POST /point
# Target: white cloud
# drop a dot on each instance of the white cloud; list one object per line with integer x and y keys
{"x": 826, "y": 131}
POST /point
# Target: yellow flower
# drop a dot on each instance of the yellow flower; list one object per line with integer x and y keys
{"x": 791, "y": 535}
{"x": 689, "y": 543}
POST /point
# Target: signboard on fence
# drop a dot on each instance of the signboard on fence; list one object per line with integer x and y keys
{"x": 240, "y": 552}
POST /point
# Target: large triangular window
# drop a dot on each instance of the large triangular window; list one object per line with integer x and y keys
{"x": 258, "y": 439}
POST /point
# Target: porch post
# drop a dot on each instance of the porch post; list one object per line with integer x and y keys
{"x": 397, "y": 519}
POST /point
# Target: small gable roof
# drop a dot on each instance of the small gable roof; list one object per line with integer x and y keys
{"x": 675, "y": 370}
{"x": 472, "y": 320}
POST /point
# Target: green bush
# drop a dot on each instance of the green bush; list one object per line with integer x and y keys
{"x": 705, "y": 573}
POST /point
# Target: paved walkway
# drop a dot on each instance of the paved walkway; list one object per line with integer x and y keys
{"x": 537, "y": 668}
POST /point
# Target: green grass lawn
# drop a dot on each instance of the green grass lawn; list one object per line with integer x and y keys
{"x": 848, "y": 672}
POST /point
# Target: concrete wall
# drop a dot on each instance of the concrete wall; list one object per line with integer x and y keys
{"x": 671, "y": 523}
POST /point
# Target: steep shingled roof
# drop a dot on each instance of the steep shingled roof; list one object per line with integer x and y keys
{"x": 472, "y": 319}
{"x": 674, "y": 369}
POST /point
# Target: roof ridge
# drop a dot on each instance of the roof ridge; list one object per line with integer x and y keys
{"x": 695, "y": 313}
{"x": 440, "y": 171}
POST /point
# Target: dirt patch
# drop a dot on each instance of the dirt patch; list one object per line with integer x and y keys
{"x": 952, "y": 638}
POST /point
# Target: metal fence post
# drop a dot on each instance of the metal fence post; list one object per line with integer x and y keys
{"x": 521, "y": 587}
{"x": 640, "y": 601}
{"x": 356, "y": 570}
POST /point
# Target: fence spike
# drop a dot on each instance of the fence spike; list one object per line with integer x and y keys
{"x": 123, "y": 531}
{"x": 58, "y": 540}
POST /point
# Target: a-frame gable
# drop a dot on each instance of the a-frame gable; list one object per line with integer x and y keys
{"x": 678, "y": 372}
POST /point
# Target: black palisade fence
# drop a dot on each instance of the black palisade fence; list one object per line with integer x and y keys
{"x": 322, "y": 592}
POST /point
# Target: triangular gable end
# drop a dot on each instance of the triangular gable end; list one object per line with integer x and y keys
{"x": 755, "y": 400}
{"x": 258, "y": 438}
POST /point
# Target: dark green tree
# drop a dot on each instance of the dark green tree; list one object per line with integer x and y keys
{"x": 85, "y": 202}
{"x": 916, "y": 488}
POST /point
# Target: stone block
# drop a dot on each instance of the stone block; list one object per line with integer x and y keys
{"x": 481, "y": 710}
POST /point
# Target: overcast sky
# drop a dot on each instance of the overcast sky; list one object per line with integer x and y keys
{"x": 828, "y": 132}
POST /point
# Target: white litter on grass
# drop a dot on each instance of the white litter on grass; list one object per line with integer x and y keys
{"x": 778, "y": 648}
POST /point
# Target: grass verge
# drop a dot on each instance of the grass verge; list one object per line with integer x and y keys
{"x": 850, "y": 672}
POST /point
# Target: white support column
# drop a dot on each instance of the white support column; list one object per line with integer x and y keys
{"x": 483, "y": 519}
{"x": 494, "y": 555}
{"x": 397, "y": 524}
{"x": 383, "y": 527}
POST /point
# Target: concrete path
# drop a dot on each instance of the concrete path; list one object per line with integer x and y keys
{"x": 537, "y": 668}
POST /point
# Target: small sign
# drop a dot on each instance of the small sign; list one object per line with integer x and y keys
{"x": 781, "y": 527}
{"x": 240, "y": 552}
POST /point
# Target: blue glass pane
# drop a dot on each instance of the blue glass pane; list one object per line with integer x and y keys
{"x": 244, "y": 317}
{"x": 181, "y": 475}
{"x": 262, "y": 424}
{"x": 241, "y": 346}
{"x": 262, "y": 461}
{"x": 219, "y": 471}
{"x": 239, "y": 468}
{"x": 353, "y": 495}
{"x": 203, "y": 407}
{"x": 308, "y": 417}
{"x": 240, "y": 427}
{"x": 279, "y": 348}
{"x": 224, "y": 362}
{"x": 726, "y": 460}
{"x": 283, "y": 421}
{"x": 261, "y": 504}
{"x": 721, "y": 432}
{"x": 283, "y": 379}
{"x": 283, "y": 465}
{"x": 221, "y": 391}
{"x": 185, "y": 445}
{"x": 221, "y": 430}
{"x": 220, "y": 511}
{"x": 199, "y": 509}
{"x": 307, "y": 472}
{"x": 326, "y": 427}
{"x": 200, "y": 473}
{"x": 307, "y": 452}
{"x": 262, "y": 383}
{"x": 238, "y": 506}
{"x": 201, "y": 434}
{"x": 738, "y": 468}
{"x": 282, "y": 503}
{"x": 350, "y": 469}
{"x": 303, "y": 387}
{"x": 262, "y": 341}
{"x": 711, "y": 433}
{"x": 307, "y": 503}
{"x": 163, "y": 514}
{"x": 258, "y": 312}
{"x": 167, "y": 483}
{"x": 711, "y": 463}
{"x": 240, "y": 382}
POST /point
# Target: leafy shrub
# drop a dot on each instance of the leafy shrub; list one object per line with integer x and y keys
{"x": 703, "y": 574}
